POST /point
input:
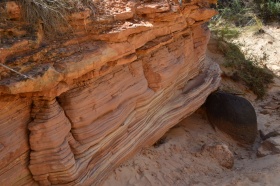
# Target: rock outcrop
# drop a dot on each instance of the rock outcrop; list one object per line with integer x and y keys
{"x": 269, "y": 147}
{"x": 233, "y": 115}
{"x": 219, "y": 153}
{"x": 85, "y": 103}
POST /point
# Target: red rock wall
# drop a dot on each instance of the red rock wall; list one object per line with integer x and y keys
{"x": 14, "y": 141}
{"x": 93, "y": 100}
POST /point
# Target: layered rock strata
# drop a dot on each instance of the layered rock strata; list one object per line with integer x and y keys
{"x": 87, "y": 103}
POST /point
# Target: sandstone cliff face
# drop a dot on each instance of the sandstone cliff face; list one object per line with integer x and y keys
{"x": 92, "y": 100}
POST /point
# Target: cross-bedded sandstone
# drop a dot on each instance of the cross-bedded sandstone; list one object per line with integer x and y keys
{"x": 94, "y": 99}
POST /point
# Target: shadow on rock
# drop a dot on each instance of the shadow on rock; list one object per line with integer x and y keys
{"x": 233, "y": 115}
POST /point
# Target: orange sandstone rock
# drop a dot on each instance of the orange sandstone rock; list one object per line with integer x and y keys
{"x": 97, "y": 97}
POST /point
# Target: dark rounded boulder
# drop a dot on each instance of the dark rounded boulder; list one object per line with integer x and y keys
{"x": 233, "y": 115}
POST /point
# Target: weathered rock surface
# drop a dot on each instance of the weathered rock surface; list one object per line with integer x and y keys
{"x": 219, "y": 153}
{"x": 94, "y": 99}
{"x": 269, "y": 147}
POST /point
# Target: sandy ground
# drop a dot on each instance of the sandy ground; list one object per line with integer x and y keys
{"x": 264, "y": 45}
{"x": 179, "y": 159}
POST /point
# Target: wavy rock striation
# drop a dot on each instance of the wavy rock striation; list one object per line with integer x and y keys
{"x": 93, "y": 100}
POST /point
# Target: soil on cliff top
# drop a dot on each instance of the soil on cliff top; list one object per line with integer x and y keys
{"x": 178, "y": 158}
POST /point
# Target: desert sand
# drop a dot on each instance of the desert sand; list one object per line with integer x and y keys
{"x": 178, "y": 158}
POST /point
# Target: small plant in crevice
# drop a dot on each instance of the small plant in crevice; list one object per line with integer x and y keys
{"x": 247, "y": 70}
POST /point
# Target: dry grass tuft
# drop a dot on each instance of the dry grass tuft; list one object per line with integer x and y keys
{"x": 52, "y": 14}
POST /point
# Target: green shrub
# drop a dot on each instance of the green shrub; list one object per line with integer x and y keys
{"x": 269, "y": 10}
{"x": 246, "y": 70}
{"x": 232, "y": 17}
{"x": 225, "y": 32}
